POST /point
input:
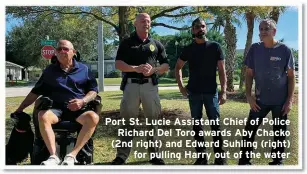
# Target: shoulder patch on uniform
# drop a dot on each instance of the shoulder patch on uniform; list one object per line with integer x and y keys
{"x": 152, "y": 47}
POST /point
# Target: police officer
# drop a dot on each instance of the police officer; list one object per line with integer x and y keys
{"x": 271, "y": 64}
{"x": 137, "y": 57}
{"x": 204, "y": 57}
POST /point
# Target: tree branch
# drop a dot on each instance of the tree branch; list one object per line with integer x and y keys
{"x": 51, "y": 11}
{"x": 183, "y": 14}
{"x": 162, "y": 13}
{"x": 89, "y": 13}
{"x": 169, "y": 26}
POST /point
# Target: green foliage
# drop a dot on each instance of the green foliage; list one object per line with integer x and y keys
{"x": 236, "y": 77}
{"x": 23, "y": 42}
{"x": 295, "y": 54}
{"x": 114, "y": 74}
{"x": 239, "y": 62}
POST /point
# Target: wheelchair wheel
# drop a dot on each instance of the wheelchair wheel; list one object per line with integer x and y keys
{"x": 85, "y": 156}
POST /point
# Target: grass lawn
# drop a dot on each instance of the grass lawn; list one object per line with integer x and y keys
{"x": 162, "y": 81}
{"x": 173, "y": 106}
{"x": 115, "y": 81}
{"x": 17, "y": 83}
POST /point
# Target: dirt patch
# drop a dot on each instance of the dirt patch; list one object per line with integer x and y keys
{"x": 236, "y": 96}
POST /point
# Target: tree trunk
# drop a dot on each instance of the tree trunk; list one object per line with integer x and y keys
{"x": 250, "y": 18}
{"x": 123, "y": 14}
{"x": 231, "y": 40}
{"x": 275, "y": 13}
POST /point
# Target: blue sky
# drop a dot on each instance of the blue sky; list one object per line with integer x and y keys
{"x": 287, "y": 28}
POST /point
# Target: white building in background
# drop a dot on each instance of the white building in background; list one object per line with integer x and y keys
{"x": 13, "y": 71}
{"x": 109, "y": 66}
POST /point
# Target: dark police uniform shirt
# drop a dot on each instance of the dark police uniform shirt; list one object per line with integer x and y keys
{"x": 202, "y": 60}
{"x": 270, "y": 66}
{"x": 61, "y": 86}
{"x": 134, "y": 52}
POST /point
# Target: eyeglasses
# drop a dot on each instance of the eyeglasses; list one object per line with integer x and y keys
{"x": 59, "y": 49}
{"x": 199, "y": 26}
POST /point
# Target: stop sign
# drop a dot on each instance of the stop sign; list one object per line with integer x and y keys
{"x": 48, "y": 51}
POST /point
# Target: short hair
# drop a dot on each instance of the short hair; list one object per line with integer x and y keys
{"x": 269, "y": 21}
{"x": 69, "y": 43}
{"x": 196, "y": 21}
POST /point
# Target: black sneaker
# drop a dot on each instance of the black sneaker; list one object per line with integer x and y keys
{"x": 118, "y": 161}
{"x": 201, "y": 161}
{"x": 244, "y": 162}
{"x": 157, "y": 161}
{"x": 276, "y": 162}
{"x": 220, "y": 161}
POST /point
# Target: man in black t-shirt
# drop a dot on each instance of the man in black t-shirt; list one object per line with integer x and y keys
{"x": 137, "y": 57}
{"x": 204, "y": 57}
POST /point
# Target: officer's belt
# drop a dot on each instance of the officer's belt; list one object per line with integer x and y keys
{"x": 139, "y": 81}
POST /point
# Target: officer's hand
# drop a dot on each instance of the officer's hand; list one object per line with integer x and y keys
{"x": 75, "y": 104}
{"x": 183, "y": 91}
{"x": 253, "y": 105}
{"x": 222, "y": 98}
{"x": 286, "y": 108}
{"x": 140, "y": 68}
{"x": 147, "y": 69}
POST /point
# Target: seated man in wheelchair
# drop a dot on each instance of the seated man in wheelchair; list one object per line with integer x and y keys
{"x": 70, "y": 86}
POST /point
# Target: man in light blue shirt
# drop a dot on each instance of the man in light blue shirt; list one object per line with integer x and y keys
{"x": 271, "y": 64}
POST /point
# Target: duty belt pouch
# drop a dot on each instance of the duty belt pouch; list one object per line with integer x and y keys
{"x": 154, "y": 79}
{"x": 123, "y": 83}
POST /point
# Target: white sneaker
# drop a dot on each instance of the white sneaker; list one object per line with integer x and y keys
{"x": 69, "y": 160}
{"x": 52, "y": 160}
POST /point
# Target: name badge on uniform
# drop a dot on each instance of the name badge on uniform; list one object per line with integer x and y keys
{"x": 152, "y": 47}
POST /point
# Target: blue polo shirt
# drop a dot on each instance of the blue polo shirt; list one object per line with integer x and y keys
{"x": 61, "y": 86}
{"x": 270, "y": 67}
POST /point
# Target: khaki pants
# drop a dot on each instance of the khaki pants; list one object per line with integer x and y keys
{"x": 134, "y": 94}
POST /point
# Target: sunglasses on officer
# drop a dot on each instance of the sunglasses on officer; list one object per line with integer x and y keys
{"x": 64, "y": 49}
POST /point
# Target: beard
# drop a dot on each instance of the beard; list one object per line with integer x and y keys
{"x": 200, "y": 35}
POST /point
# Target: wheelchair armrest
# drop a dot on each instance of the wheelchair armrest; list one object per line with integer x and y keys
{"x": 66, "y": 126}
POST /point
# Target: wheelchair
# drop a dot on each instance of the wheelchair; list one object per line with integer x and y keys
{"x": 66, "y": 133}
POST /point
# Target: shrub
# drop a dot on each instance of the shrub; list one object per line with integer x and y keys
{"x": 236, "y": 78}
{"x": 171, "y": 73}
{"x": 114, "y": 74}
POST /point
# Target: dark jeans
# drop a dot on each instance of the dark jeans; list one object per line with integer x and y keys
{"x": 210, "y": 101}
{"x": 265, "y": 109}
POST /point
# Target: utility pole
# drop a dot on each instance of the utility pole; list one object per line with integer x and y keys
{"x": 100, "y": 57}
